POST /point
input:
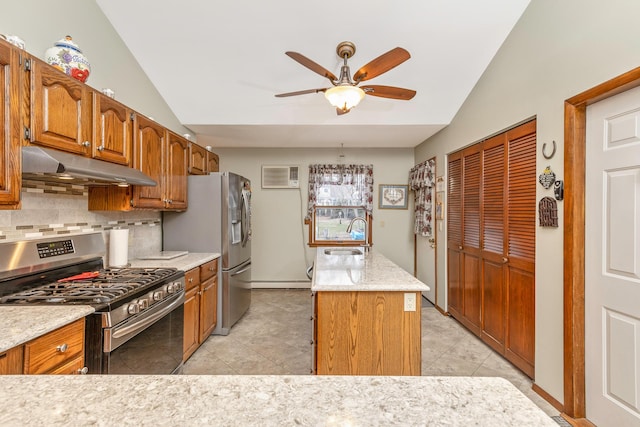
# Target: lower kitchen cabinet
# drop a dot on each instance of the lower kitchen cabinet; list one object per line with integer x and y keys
{"x": 200, "y": 306}
{"x": 365, "y": 333}
{"x": 11, "y": 361}
{"x": 57, "y": 352}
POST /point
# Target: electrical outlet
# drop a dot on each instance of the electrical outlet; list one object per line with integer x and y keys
{"x": 409, "y": 301}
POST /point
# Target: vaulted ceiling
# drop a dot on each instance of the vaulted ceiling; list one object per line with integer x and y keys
{"x": 218, "y": 64}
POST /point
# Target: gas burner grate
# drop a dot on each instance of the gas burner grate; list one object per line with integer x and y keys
{"x": 109, "y": 285}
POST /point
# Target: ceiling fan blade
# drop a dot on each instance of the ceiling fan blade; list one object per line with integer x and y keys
{"x": 389, "y": 92}
{"x": 316, "y": 68}
{"x": 300, "y": 92}
{"x": 381, "y": 64}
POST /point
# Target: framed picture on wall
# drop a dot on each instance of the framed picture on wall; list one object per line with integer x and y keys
{"x": 392, "y": 196}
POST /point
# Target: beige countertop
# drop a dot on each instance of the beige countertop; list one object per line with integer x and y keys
{"x": 371, "y": 271}
{"x": 184, "y": 262}
{"x": 19, "y": 324}
{"x": 267, "y": 400}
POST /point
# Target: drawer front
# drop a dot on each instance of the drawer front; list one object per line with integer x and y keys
{"x": 208, "y": 269}
{"x": 73, "y": 367}
{"x": 11, "y": 361}
{"x": 192, "y": 278}
{"x": 48, "y": 352}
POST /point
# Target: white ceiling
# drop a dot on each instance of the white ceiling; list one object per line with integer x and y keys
{"x": 218, "y": 64}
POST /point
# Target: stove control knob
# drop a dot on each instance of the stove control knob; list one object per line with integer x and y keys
{"x": 157, "y": 296}
{"x": 133, "y": 308}
{"x": 143, "y": 304}
{"x": 178, "y": 286}
{"x": 170, "y": 289}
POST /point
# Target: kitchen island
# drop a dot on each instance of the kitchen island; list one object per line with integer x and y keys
{"x": 366, "y": 314}
{"x": 269, "y": 400}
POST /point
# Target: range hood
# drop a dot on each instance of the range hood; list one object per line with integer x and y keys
{"x": 44, "y": 164}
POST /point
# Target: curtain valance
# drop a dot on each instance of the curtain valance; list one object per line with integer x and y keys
{"x": 357, "y": 178}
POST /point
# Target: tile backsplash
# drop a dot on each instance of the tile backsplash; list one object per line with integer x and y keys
{"x": 58, "y": 210}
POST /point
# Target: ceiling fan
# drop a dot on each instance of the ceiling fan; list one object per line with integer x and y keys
{"x": 345, "y": 92}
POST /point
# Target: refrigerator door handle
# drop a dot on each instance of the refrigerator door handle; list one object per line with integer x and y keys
{"x": 241, "y": 271}
{"x": 244, "y": 227}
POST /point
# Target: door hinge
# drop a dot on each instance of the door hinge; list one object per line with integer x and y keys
{"x": 27, "y": 133}
{"x": 27, "y": 64}
{"x": 133, "y": 116}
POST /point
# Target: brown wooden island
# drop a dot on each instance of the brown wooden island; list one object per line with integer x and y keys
{"x": 366, "y": 315}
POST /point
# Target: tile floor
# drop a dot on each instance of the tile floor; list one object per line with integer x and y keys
{"x": 273, "y": 337}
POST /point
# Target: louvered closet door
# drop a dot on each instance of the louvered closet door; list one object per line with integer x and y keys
{"x": 493, "y": 242}
{"x": 521, "y": 228}
{"x": 455, "y": 302}
{"x": 471, "y": 253}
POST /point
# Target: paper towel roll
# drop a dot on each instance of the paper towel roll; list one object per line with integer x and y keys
{"x": 118, "y": 247}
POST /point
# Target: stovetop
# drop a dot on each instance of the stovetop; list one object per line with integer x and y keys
{"x": 108, "y": 286}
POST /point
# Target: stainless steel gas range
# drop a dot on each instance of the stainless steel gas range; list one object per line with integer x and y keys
{"x": 137, "y": 327}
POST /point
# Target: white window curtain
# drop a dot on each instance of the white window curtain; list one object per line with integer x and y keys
{"x": 421, "y": 181}
{"x": 340, "y": 185}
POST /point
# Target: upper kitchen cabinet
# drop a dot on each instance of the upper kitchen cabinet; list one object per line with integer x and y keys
{"x": 149, "y": 145}
{"x": 164, "y": 157}
{"x": 10, "y": 127}
{"x": 176, "y": 172}
{"x": 213, "y": 162}
{"x": 112, "y": 130}
{"x": 197, "y": 159}
{"x": 61, "y": 113}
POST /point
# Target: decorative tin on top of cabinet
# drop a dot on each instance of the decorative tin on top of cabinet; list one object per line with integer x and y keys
{"x": 61, "y": 110}
{"x": 10, "y": 127}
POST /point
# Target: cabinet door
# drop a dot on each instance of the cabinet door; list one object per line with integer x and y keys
{"x": 191, "y": 322}
{"x": 213, "y": 162}
{"x": 10, "y": 127}
{"x": 61, "y": 110}
{"x": 208, "y": 307}
{"x": 176, "y": 172}
{"x": 197, "y": 159}
{"x": 112, "y": 130}
{"x": 11, "y": 361}
{"x": 48, "y": 352}
{"x": 149, "y": 145}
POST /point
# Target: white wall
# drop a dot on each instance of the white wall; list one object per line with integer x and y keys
{"x": 40, "y": 23}
{"x": 279, "y": 238}
{"x": 558, "y": 49}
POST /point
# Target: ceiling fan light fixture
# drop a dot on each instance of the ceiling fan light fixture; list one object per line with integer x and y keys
{"x": 344, "y": 97}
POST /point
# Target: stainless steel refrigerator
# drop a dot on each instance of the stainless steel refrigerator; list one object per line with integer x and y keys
{"x": 218, "y": 219}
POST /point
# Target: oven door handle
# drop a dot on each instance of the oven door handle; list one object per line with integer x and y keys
{"x": 142, "y": 324}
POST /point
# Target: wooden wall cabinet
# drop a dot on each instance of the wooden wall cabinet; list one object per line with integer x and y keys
{"x": 197, "y": 159}
{"x": 10, "y": 126}
{"x": 491, "y": 205}
{"x": 164, "y": 157}
{"x": 213, "y": 162}
{"x": 366, "y": 333}
{"x": 200, "y": 306}
{"x": 61, "y": 110}
{"x": 111, "y": 130}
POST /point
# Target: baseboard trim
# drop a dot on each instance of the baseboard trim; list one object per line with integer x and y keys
{"x": 281, "y": 285}
{"x": 546, "y": 396}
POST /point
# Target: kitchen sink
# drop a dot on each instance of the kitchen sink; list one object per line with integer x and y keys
{"x": 343, "y": 251}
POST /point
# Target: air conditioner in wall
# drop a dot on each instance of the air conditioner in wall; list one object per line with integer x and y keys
{"x": 280, "y": 177}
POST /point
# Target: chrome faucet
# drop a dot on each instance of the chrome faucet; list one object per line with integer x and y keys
{"x": 366, "y": 228}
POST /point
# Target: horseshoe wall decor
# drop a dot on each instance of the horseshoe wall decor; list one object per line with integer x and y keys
{"x": 544, "y": 148}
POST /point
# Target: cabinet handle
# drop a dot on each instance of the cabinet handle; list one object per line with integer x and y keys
{"x": 62, "y": 348}
{"x": 505, "y": 260}
{"x": 85, "y": 144}
{"x": 190, "y": 279}
{"x": 210, "y": 268}
{"x": 100, "y": 148}
{"x": 83, "y": 371}
{"x": 460, "y": 247}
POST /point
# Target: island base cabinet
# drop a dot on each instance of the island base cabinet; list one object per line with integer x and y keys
{"x": 366, "y": 333}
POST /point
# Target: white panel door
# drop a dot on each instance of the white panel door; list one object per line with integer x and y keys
{"x": 612, "y": 261}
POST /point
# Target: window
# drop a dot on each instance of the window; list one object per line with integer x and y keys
{"x": 337, "y": 195}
